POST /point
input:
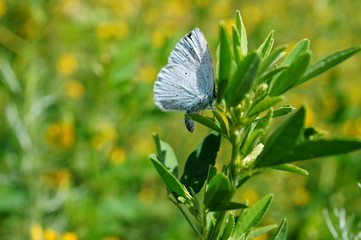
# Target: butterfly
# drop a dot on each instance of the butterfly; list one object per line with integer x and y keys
{"x": 187, "y": 81}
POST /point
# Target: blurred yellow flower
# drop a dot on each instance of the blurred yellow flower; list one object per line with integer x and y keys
{"x": 177, "y": 8}
{"x": 110, "y": 238}
{"x": 117, "y": 155}
{"x": 69, "y": 236}
{"x": 36, "y": 232}
{"x": 107, "y": 30}
{"x": 67, "y": 64}
{"x": 50, "y": 234}
{"x": 58, "y": 177}
{"x": 251, "y": 196}
{"x": 144, "y": 145}
{"x": 148, "y": 73}
{"x": 300, "y": 196}
{"x": 146, "y": 195}
{"x": 74, "y": 89}
{"x": 107, "y": 134}
{"x": 158, "y": 38}
{"x": 2, "y": 8}
{"x": 262, "y": 237}
{"x": 60, "y": 134}
{"x": 310, "y": 117}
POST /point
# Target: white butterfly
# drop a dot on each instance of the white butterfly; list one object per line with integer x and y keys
{"x": 186, "y": 82}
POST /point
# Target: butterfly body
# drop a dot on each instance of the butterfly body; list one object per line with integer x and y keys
{"x": 186, "y": 82}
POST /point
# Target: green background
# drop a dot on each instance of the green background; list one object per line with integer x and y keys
{"x": 77, "y": 114}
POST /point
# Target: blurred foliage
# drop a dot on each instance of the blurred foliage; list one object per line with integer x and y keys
{"x": 77, "y": 114}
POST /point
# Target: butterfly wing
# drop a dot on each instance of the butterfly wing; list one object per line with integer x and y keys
{"x": 187, "y": 76}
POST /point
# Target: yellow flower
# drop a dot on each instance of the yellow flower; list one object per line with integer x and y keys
{"x": 2, "y": 8}
{"x": 58, "y": 177}
{"x": 107, "y": 135}
{"x": 148, "y": 73}
{"x": 146, "y": 195}
{"x": 107, "y": 30}
{"x": 158, "y": 38}
{"x": 69, "y": 236}
{"x": 251, "y": 196}
{"x": 300, "y": 196}
{"x": 36, "y": 232}
{"x": 310, "y": 117}
{"x": 60, "y": 134}
{"x": 151, "y": 16}
{"x": 67, "y": 64}
{"x": 117, "y": 155}
{"x": 74, "y": 89}
{"x": 111, "y": 238}
{"x": 50, "y": 234}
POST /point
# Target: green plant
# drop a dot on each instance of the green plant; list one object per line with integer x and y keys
{"x": 249, "y": 84}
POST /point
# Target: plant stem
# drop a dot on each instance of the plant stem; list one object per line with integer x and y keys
{"x": 190, "y": 222}
{"x": 216, "y": 231}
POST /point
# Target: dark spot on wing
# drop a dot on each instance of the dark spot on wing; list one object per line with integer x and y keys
{"x": 189, "y": 34}
{"x": 185, "y": 73}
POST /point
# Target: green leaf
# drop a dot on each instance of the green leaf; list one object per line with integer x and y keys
{"x": 328, "y": 62}
{"x": 218, "y": 190}
{"x": 172, "y": 183}
{"x": 264, "y": 122}
{"x": 321, "y": 148}
{"x": 270, "y": 60}
{"x": 225, "y": 62}
{"x": 166, "y": 155}
{"x": 283, "y": 110}
{"x": 281, "y": 231}
{"x": 291, "y": 168}
{"x": 267, "y": 77}
{"x": 252, "y": 216}
{"x": 242, "y": 79}
{"x": 199, "y": 161}
{"x": 300, "y": 48}
{"x": 242, "y": 32}
{"x": 221, "y": 122}
{"x": 236, "y": 44}
{"x": 261, "y": 230}
{"x": 282, "y": 141}
{"x": 266, "y": 46}
{"x": 206, "y": 121}
{"x": 263, "y": 105}
{"x": 225, "y": 206}
{"x": 289, "y": 77}
{"x": 228, "y": 229}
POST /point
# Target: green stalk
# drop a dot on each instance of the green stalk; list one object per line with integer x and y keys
{"x": 216, "y": 231}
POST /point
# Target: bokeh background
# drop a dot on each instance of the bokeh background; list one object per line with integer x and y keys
{"x": 77, "y": 114}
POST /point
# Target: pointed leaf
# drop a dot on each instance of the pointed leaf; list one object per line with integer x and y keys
{"x": 266, "y": 46}
{"x": 199, "y": 161}
{"x": 225, "y": 206}
{"x": 172, "y": 183}
{"x": 218, "y": 190}
{"x": 242, "y": 32}
{"x": 291, "y": 168}
{"x": 270, "y": 60}
{"x": 282, "y": 141}
{"x": 300, "y": 48}
{"x": 206, "y": 121}
{"x": 242, "y": 79}
{"x": 225, "y": 62}
{"x": 281, "y": 231}
{"x": 166, "y": 155}
{"x": 252, "y": 216}
{"x": 289, "y": 77}
{"x": 328, "y": 62}
{"x": 261, "y": 230}
{"x": 267, "y": 77}
{"x": 236, "y": 44}
{"x": 228, "y": 229}
{"x": 264, "y": 105}
{"x": 221, "y": 122}
{"x": 320, "y": 148}
{"x": 283, "y": 110}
